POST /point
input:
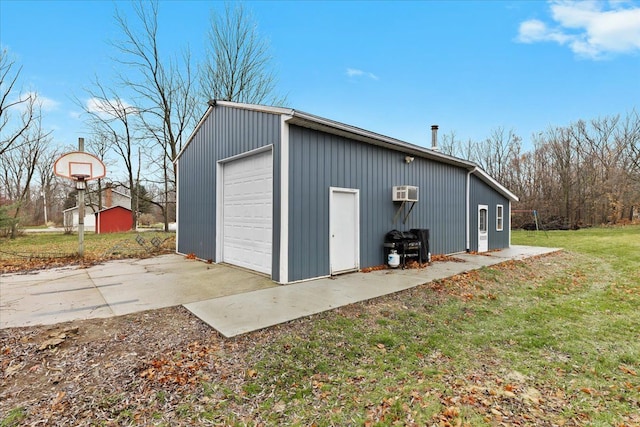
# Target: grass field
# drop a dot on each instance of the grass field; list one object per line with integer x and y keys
{"x": 552, "y": 341}
{"x": 43, "y": 249}
{"x": 555, "y": 341}
{"x": 618, "y": 246}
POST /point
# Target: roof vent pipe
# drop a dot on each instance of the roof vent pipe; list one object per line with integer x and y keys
{"x": 434, "y": 137}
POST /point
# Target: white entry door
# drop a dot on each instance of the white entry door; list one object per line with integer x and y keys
{"x": 344, "y": 229}
{"x": 247, "y": 212}
{"x": 483, "y": 231}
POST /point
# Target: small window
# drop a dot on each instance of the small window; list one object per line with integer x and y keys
{"x": 482, "y": 221}
{"x": 499, "y": 218}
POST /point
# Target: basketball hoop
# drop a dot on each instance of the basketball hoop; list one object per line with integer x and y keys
{"x": 80, "y": 167}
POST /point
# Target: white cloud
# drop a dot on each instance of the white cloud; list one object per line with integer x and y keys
{"x": 354, "y": 72}
{"x": 46, "y": 104}
{"x": 591, "y": 29}
{"x": 108, "y": 108}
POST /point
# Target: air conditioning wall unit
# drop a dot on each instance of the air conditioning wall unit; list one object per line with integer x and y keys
{"x": 405, "y": 193}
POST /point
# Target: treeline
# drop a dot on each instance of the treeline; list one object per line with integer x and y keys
{"x": 583, "y": 174}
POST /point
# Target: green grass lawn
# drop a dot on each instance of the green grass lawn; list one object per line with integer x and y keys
{"x": 41, "y": 250}
{"x": 619, "y": 246}
{"x": 552, "y": 341}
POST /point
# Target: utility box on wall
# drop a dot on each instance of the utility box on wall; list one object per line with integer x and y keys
{"x": 405, "y": 193}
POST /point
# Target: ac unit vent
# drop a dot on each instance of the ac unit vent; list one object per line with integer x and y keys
{"x": 405, "y": 193}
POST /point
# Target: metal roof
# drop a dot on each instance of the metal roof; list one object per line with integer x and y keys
{"x": 311, "y": 121}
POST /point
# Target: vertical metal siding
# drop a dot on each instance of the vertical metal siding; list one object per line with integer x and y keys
{"x": 226, "y": 132}
{"x": 319, "y": 161}
{"x": 482, "y": 194}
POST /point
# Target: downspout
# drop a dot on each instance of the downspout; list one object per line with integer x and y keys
{"x": 468, "y": 219}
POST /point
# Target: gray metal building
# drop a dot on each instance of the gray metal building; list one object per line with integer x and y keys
{"x": 297, "y": 196}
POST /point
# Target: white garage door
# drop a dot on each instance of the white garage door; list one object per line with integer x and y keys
{"x": 247, "y": 212}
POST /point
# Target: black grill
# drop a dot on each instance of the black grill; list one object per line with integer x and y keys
{"x": 407, "y": 245}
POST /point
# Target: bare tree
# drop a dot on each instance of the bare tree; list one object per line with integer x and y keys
{"x": 12, "y": 130}
{"x": 497, "y": 152}
{"x": 585, "y": 173}
{"x": 629, "y": 134}
{"x": 19, "y": 165}
{"x": 48, "y": 182}
{"x": 163, "y": 88}
{"x": 114, "y": 121}
{"x": 238, "y": 65}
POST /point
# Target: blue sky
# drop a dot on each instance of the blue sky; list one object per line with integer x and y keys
{"x": 394, "y": 68}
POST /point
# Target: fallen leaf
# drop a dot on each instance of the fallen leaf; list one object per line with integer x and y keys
{"x": 532, "y": 395}
{"x": 51, "y": 342}
{"x": 279, "y": 407}
{"x": 59, "y": 397}
{"x": 12, "y": 369}
{"x": 451, "y": 412}
{"x": 628, "y": 370}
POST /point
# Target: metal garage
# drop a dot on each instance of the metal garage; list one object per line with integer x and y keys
{"x": 298, "y": 196}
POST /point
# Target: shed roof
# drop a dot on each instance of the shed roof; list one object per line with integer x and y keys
{"x": 311, "y": 121}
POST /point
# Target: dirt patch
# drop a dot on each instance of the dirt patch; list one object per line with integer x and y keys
{"x": 63, "y": 372}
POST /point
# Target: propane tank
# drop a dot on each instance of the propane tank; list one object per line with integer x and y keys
{"x": 393, "y": 259}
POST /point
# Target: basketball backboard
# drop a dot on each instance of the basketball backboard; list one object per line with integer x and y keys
{"x": 79, "y": 166}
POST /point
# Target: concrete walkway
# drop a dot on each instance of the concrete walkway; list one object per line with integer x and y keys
{"x": 238, "y": 314}
{"x": 231, "y": 300}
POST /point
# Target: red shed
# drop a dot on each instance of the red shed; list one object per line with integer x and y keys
{"x": 113, "y": 220}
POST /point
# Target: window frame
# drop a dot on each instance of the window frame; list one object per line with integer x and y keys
{"x": 499, "y": 217}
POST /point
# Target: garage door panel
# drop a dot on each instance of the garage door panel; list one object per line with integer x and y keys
{"x": 247, "y": 212}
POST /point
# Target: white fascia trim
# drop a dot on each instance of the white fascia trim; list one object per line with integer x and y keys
{"x": 284, "y": 200}
{"x": 195, "y": 131}
{"x": 495, "y": 184}
{"x": 247, "y": 153}
{"x": 255, "y": 107}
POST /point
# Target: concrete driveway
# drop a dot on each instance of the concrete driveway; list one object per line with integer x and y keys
{"x": 117, "y": 287}
{"x": 231, "y": 300}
